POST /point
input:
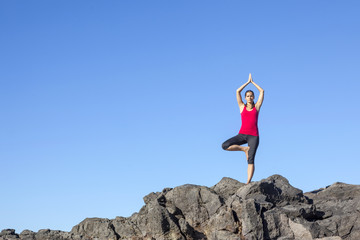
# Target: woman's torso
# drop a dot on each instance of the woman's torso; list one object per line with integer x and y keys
{"x": 249, "y": 121}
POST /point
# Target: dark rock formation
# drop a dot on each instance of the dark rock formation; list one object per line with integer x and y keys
{"x": 268, "y": 209}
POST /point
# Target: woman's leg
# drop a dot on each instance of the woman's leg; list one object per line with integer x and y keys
{"x": 239, "y": 148}
{"x": 233, "y": 144}
{"x": 253, "y": 144}
{"x": 250, "y": 171}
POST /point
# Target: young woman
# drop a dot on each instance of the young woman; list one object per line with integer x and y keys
{"x": 249, "y": 132}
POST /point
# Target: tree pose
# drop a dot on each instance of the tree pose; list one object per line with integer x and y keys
{"x": 249, "y": 132}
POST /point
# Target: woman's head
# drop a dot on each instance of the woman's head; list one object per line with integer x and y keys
{"x": 249, "y": 96}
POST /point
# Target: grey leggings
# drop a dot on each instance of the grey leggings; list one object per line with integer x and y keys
{"x": 253, "y": 143}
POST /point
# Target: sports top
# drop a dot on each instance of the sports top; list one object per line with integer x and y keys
{"x": 249, "y": 121}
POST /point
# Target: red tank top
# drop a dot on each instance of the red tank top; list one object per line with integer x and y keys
{"x": 249, "y": 121}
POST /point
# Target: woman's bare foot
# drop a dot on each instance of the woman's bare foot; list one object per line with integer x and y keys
{"x": 239, "y": 148}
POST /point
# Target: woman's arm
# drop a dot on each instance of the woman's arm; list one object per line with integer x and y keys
{"x": 261, "y": 96}
{"x": 238, "y": 93}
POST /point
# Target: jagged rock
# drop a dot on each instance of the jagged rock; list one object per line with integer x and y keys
{"x": 196, "y": 203}
{"x": 340, "y": 204}
{"x": 251, "y": 221}
{"x": 223, "y": 225}
{"x": 27, "y": 235}
{"x": 101, "y": 228}
{"x": 43, "y": 234}
{"x": 328, "y": 238}
{"x": 155, "y": 221}
{"x": 47, "y": 234}
{"x": 8, "y": 234}
{"x": 230, "y": 210}
{"x": 300, "y": 232}
{"x": 275, "y": 189}
{"x": 277, "y": 225}
{"x": 125, "y": 228}
{"x": 227, "y": 187}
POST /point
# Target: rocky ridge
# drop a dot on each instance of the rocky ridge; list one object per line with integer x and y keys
{"x": 267, "y": 209}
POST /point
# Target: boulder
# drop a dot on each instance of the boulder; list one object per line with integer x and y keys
{"x": 340, "y": 204}
{"x": 8, "y": 234}
{"x": 100, "y": 228}
{"x": 227, "y": 187}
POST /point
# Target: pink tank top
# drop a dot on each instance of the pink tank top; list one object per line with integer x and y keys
{"x": 249, "y": 121}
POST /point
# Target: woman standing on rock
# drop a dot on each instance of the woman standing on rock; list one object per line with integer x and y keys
{"x": 249, "y": 132}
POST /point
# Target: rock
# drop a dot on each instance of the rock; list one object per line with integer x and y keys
{"x": 267, "y": 209}
{"x": 150, "y": 197}
{"x": 47, "y": 234}
{"x": 300, "y": 232}
{"x": 8, "y": 234}
{"x": 155, "y": 221}
{"x": 100, "y": 228}
{"x": 329, "y": 238}
{"x": 27, "y": 235}
{"x": 223, "y": 222}
{"x": 340, "y": 204}
{"x": 276, "y": 224}
{"x": 251, "y": 220}
{"x": 275, "y": 189}
{"x": 196, "y": 203}
{"x": 125, "y": 228}
{"x": 227, "y": 187}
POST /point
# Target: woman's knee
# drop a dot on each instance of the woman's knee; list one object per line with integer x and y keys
{"x": 225, "y": 145}
{"x": 251, "y": 160}
{"x": 252, "y": 153}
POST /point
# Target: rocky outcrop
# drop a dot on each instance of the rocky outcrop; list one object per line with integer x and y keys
{"x": 268, "y": 209}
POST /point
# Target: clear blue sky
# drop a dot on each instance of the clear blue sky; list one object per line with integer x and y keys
{"x": 103, "y": 102}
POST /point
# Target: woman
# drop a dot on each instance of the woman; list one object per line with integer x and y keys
{"x": 249, "y": 132}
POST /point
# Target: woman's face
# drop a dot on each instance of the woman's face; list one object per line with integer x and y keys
{"x": 249, "y": 97}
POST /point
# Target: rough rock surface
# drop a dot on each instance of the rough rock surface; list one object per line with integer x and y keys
{"x": 268, "y": 209}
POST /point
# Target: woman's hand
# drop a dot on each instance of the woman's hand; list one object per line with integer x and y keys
{"x": 261, "y": 96}
{"x": 238, "y": 91}
{"x": 250, "y": 78}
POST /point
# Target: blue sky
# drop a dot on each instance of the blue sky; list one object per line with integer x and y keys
{"x": 103, "y": 102}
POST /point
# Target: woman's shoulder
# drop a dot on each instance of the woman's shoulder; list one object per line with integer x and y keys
{"x": 242, "y": 106}
{"x": 257, "y": 107}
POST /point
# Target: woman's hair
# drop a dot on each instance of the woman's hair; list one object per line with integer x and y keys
{"x": 253, "y": 95}
{"x": 250, "y": 91}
